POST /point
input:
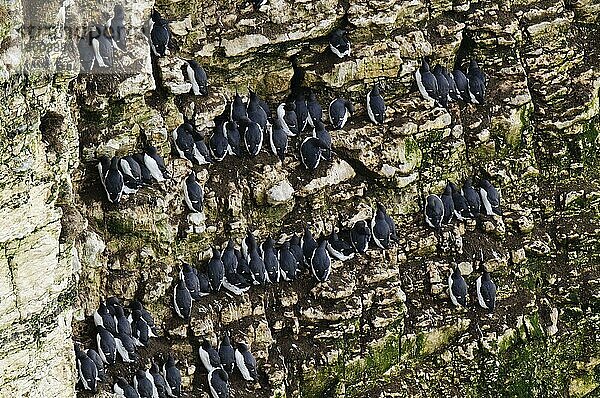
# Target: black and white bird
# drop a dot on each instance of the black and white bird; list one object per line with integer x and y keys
{"x": 243, "y": 268}
{"x": 234, "y": 138}
{"x": 189, "y": 276}
{"x": 201, "y": 153}
{"x": 426, "y": 82}
{"x": 193, "y": 193}
{"x": 125, "y": 347}
{"x": 227, "y": 354}
{"x": 472, "y": 198}
{"x": 114, "y": 184}
{"x": 448, "y": 203}
{"x": 309, "y": 245}
{"x": 132, "y": 174}
{"x": 140, "y": 330}
{"x": 288, "y": 263}
{"x": 103, "y": 47}
{"x": 257, "y": 4}
{"x": 257, "y": 267}
{"x": 238, "y": 109}
{"x": 256, "y": 112}
{"x": 338, "y": 248}
{"x": 360, "y": 236}
{"x": 218, "y": 143}
{"x": 182, "y": 300}
{"x": 159, "y": 380}
{"x": 311, "y": 151}
{"x": 323, "y": 135}
{"x": 146, "y": 175}
{"x": 137, "y": 306}
{"x": 236, "y": 283}
{"x": 490, "y": 198}
{"x": 204, "y": 288}
{"x": 160, "y": 35}
{"x": 453, "y": 93}
{"x": 301, "y": 111}
{"x": 461, "y": 207}
{"x": 320, "y": 263}
{"x": 375, "y": 105}
{"x": 286, "y": 114}
{"x": 278, "y": 139}
{"x": 434, "y": 211}
{"x": 103, "y": 166}
{"x": 143, "y": 382}
{"x": 253, "y": 136}
{"x": 116, "y": 28}
{"x": 476, "y": 83}
{"x": 107, "y": 348}
{"x": 380, "y": 229}
{"x": 271, "y": 261}
{"x": 390, "y": 222}
{"x": 248, "y": 243}
{"x": 183, "y": 139}
{"x": 315, "y": 111}
{"x": 216, "y": 270}
{"x": 95, "y": 357}
{"x": 457, "y": 288}
{"x": 123, "y": 325}
{"x": 102, "y": 317}
{"x": 209, "y": 356}
{"x": 86, "y": 370}
{"x": 339, "y": 44}
{"x": 462, "y": 85}
{"x": 229, "y": 258}
{"x": 87, "y": 55}
{"x": 197, "y": 77}
{"x": 155, "y": 164}
{"x": 245, "y": 362}
{"x": 442, "y": 85}
{"x": 486, "y": 291}
{"x": 339, "y": 112}
{"x": 218, "y": 382}
{"x": 172, "y": 377}
{"x": 296, "y": 249}
{"x": 124, "y": 390}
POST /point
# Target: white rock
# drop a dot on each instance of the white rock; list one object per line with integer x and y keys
{"x": 282, "y": 192}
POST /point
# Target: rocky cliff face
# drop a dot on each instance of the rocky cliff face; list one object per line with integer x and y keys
{"x": 382, "y": 325}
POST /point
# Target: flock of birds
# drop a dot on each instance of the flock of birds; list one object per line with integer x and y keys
{"x": 244, "y": 127}
{"x": 119, "y": 331}
{"x": 236, "y": 270}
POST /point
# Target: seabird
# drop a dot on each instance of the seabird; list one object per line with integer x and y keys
{"x": 256, "y": 112}
{"x": 360, "y": 235}
{"x": 323, "y": 135}
{"x": 193, "y": 193}
{"x": 315, "y": 111}
{"x": 434, "y": 211}
{"x": 490, "y": 198}
{"x": 197, "y": 76}
{"x": 486, "y": 291}
{"x": 457, "y": 288}
{"x": 243, "y": 268}
{"x": 216, "y": 271}
{"x": 159, "y": 380}
{"x": 476, "y": 83}
{"x": 132, "y": 174}
{"x": 102, "y": 317}
{"x": 103, "y": 48}
{"x": 253, "y": 136}
{"x": 339, "y": 44}
{"x": 140, "y": 331}
{"x": 201, "y": 154}
{"x": 375, "y": 105}
{"x": 125, "y": 347}
{"x": 311, "y": 152}
{"x": 204, "y": 286}
{"x": 146, "y": 175}
{"x": 155, "y": 163}
{"x": 472, "y": 198}
{"x": 320, "y": 263}
{"x": 189, "y": 276}
{"x": 296, "y": 249}
{"x": 209, "y": 356}
{"x": 278, "y": 139}
{"x": 442, "y": 85}
{"x": 86, "y": 369}
{"x": 143, "y": 382}
{"x": 271, "y": 261}
{"x": 453, "y": 93}
{"x": 218, "y": 142}
{"x": 123, "y": 325}
{"x": 257, "y": 267}
{"x": 107, "y": 348}
{"x": 461, "y": 207}
{"x": 426, "y": 82}
{"x": 245, "y": 362}
{"x": 448, "y": 205}
{"x": 87, "y": 56}
{"x": 462, "y": 84}
{"x": 234, "y": 138}
{"x": 339, "y": 111}
{"x": 338, "y": 248}
{"x": 116, "y": 28}
{"x": 182, "y": 300}
{"x": 380, "y": 228}
{"x": 172, "y": 377}
{"x": 160, "y": 35}
{"x": 286, "y": 114}
{"x": 229, "y": 258}
{"x": 226, "y": 354}
{"x": 218, "y": 381}
{"x": 124, "y": 390}
{"x": 113, "y": 182}
{"x": 287, "y": 262}
{"x": 136, "y": 305}
{"x": 301, "y": 111}
{"x": 309, "y": 244}
{"x": 238, "y": 109}
{"x": 95, "y": 357}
